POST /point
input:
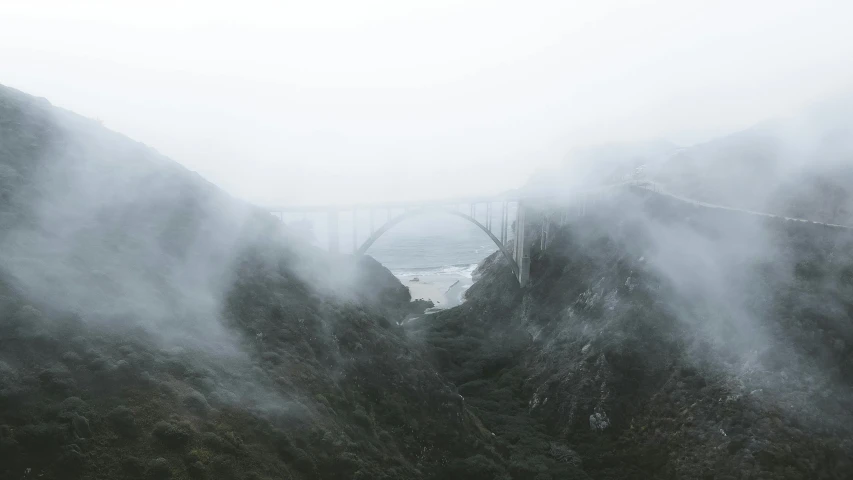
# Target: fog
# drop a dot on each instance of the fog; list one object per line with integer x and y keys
{"x": 121, "y": 269}
{"x": 103, "y": 238}
{"x": 295, "y": 102}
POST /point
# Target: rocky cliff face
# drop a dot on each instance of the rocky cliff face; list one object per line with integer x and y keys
{"x": 662, "y": 340}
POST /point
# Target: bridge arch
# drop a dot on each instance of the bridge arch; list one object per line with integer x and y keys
{"x": 423, "y": 210}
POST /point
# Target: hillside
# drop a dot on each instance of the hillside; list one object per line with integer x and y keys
{"x": 603, "y": 164}
{"x": 661, "y": 340}
{"x": 797, "y": 166}
{"x": 152, "y": 326}
{"x": 800, "y": 165}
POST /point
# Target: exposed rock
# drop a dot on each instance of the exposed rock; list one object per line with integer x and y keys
{"x": 598, "y": 421}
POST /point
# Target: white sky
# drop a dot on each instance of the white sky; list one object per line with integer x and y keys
{"x": 315, "y": 101}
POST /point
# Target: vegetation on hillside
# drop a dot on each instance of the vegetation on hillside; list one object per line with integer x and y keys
{"x": 663, "y": 342}
{"x": 153, "y": 327}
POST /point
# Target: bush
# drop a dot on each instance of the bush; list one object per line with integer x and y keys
{"x": 199, "y": 455}
{"x": 28, "y": 316}
{"x": 57, "y": 380}
{"x": 341, "y": 466}
{"x": 271, "y": 357}
{"x": 213, "y": 442}
{"x": 196, "y": 470}
{"x": 123, "y": 421}
{"x": 71, "y": 358}
{"x": 158, "y": 469}
{"x": 42, "y": 437}
{"x": 361, "y": 418}
{"x": 235, "y": 443}
{"x": 565, "y": 454}
{"x": 98, "y": 364}
{"x": 223, "y": 467}
{"x": 8, "y": 446}
{"x": 300, "y": 460}
{"x": 477, "y": 467}
{"x": 132, "y": 466}
{"x": 196, "y": 403}
{"x": 173, "y": 435}
{"x": 73, "y": 405}
{"x": 122, "y": 371}
{"x": 72, "y": 462}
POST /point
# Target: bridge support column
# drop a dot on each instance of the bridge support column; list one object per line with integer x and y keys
{"x": 334, "y": 240}
{"x": 502, "y": 223}
{"x": 354, "y": 230}
{"x": 500, "y": 233}
{"x": 522, "y": 253}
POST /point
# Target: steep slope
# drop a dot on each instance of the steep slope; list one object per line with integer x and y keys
{"x": 796, "y": 166}
{"x": 603, "y": 165}
{"x": 151, "y": 326}
{"x": 799, "y": 166}
{"x": 661, "y": 340}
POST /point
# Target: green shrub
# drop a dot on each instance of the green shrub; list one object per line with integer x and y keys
{"x": 158, "y": 469}
{"x": 360, "y": 417}
{"x": 71, "y": 462}
{"x": 132, "y": 466}
{"x": 173, "y": 435}
{"x": 196, "y": 470}
{"x": 301, "y": 460}
{"x": 123, "y": 421}
{"x": 73, "y": 405}
{"x": 43, "y": 437}
{"x": 196, "y": 403}
{"x": 223, "y": 467}
{"x": 476, "y": 467}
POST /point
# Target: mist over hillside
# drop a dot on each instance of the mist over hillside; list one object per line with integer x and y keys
{"x": 605, "y": 240}
{"x": 604, "y": 164}
{"x": 661, "y": 339}
{"x": 800, "y": 166}
{"x": 152, "y": 326}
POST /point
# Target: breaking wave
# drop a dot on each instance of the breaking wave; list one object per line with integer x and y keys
{"x": 464, "y": 270}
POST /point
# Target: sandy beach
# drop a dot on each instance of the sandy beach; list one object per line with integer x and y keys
{"x": 445, "y": 290}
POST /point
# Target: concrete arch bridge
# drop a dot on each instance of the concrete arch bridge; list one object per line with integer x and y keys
{"x": 516, "y": 250}
{"x": 491, "y": 215}
{"x": 503, "y": 218}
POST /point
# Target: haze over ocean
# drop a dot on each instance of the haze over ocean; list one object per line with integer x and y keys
{"x": 437, "y": 249}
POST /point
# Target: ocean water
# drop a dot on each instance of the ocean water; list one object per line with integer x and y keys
{"x": 433, "y": 247}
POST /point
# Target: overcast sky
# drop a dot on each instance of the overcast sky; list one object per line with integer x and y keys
{"x": 327, "y": 101}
